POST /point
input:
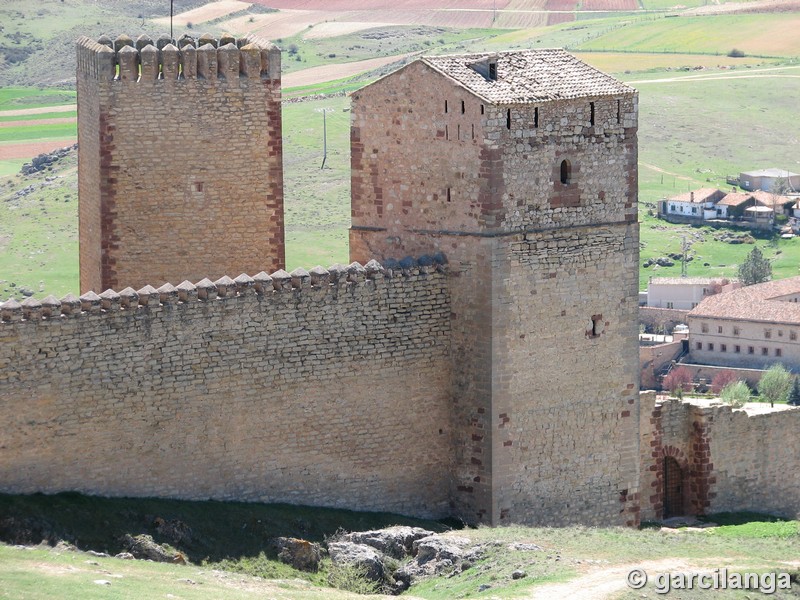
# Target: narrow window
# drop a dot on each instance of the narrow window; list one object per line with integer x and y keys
{"x": 198, "y": 186}
{"x": 448, "y": 194}
{"x": 619, "y": 111}
{"x": 751, "y": 350}
{"x": 698, "y": 345}
{"x": 719, "y": 329}
{"x": 764, "y": 352}
{"x": 536, "y": 116}
{"x": 482, "y": 108}
{"x": 767, "y": 333}
{"x": 566, "y": 172}
{"x": 493, "y": 71}
{"x": 591, "y": 113}
{"x": 508, "y": 119}
{"x": 723, "y": 347}
{"x": 463, "y": 108}
{"x": 737, "y": 349}
{"x": 710, "y": 345}
{"x": 597, "y": 326}
{"x": 780, "y": 332}
{"x": 778, "y": 352}
{"x": 704, "y": 327}
{"x": 459, "y": 132}
{"x": 670, "y": 305}
{"x": 735, "y": 331}
{"x": 473, "y": 131}
{"x": 446, "y": 132}
{"x": 793, "y": 335}
{"x": 445, "y": 106}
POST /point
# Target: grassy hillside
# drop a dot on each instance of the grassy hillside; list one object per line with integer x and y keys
{"x": 230, "y": 541}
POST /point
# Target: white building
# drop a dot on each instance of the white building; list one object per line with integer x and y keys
{"x": 698, "y": 204}
{"x": 764, "y": 179}
{"x": 684, "y": 293}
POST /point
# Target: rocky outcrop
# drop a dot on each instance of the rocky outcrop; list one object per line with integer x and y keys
{"x": 396, "y": 542}
{"x": 143, "y": 547}
{"x": 300, "y": 554}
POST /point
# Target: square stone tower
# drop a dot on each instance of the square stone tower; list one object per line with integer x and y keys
{"x": 521, "y": 167}
{"x": 180, "y": 160}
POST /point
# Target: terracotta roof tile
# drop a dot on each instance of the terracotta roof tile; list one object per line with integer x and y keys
{"x": 525, "y": 76}
{"x": 758, "y": 302}
{"x": 699, "y": 196}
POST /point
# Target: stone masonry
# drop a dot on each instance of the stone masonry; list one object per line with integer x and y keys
{"x": 492, "y": 378}
{"x": 327, "y": 388}
{"x": 521, "y": 168}
{"x": 180, "y": 164}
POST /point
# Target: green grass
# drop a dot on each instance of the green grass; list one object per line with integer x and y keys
{"x": 11, "y": 166}
{"x": 234, "y": 536}
{"x": 14, "y": 98}
{"x": 760, "y": 34}
{"x": 22, "y": 133}
{"x": 39, "y": 232}
{"x": 34, "y": 117}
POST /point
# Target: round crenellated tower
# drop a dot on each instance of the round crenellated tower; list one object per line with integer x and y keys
{"x": 180, "y": 159}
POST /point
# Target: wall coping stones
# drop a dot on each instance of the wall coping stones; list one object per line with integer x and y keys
{"x": 262, "y": 284}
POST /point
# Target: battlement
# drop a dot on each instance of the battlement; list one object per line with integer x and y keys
{"x": 209, "y": 58}
{"x": 224, "y": 288}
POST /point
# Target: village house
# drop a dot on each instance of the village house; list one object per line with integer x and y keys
{"x": 751, "y": 327}
{"x": 684, "y": 293}
{"x": 757, "y": 209}
{"x": 765, "y": 179}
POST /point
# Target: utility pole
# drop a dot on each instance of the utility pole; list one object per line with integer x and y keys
{"x": 324, "y": 112}
{"x": 683, "y": 259}
{"x": 171, "y": 5}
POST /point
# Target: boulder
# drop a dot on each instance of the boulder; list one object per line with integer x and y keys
{"x": 300, "y": 554}
{"x": 358, "y": 555}
{"x": 143, "y": 547}
{"x": 397, "y": 542}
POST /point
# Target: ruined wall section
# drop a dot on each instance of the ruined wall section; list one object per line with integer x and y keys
{"x": 190, "y": 180}
{"x": 753, "y": 460}
{"x": 325, "y": 388}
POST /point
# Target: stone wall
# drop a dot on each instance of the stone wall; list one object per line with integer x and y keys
{"x": 543, "y": 287}
{"x": 328, "y": 388}
{"x": 731, "y": 459}
{"x": 180, "y": 161}
{"x": 658, "y": 319}
{"x": 652, "y": 359}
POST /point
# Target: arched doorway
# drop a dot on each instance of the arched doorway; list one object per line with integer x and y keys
{"x": 673, "y": 488}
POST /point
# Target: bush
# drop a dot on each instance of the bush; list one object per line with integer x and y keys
{"x": 722, "y": 379}
{"x": 736, "y": 53}
{"x": 678, "y": 380}
{"x": 352, "y": 578}
{"x": 775, "y": 384}
{"x": 735, "y": 394}
{"x": 794, "y": 394}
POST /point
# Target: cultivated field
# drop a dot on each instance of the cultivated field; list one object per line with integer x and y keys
{"x": 202, "y": 14}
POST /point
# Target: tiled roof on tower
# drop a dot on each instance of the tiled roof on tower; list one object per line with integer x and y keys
{"x": 522, "y": 76}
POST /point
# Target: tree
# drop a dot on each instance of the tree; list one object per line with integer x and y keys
{"x": 722, "y": 379}
{"x": 735, "y": 394}
{"x": 794, "y": 393}
{"x": 755, "y": 268}
{"x": 775, "y": 384}
{"x": 678, "y": 381}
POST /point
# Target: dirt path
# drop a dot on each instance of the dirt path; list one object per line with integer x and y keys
{"x": 21, "y": 112}
{"x": 331, "y": 72}
{"x": 54, "y": 121}
{"x": 737, "y": 74}
{"x": 660, "y": 170}
{"x": 31, "y": 149}
{"x": 600, "y": 583}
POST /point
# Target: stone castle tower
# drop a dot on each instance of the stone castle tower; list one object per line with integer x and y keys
{"x": 521, "y": 167}
{"x": 180, "y": 160}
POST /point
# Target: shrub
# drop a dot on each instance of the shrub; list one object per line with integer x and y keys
{"x": 678, "y": 380}
{"x": 794, "y": 393}
{"x": 775, "y": 384}
{"x": 352, "y": 578}
{"x": 722, "y": 379}
{"x": 736, "y": 53}
{"x": 735, "y": 394}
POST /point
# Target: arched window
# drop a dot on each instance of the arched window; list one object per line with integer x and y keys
{"x": 566, "y": 172}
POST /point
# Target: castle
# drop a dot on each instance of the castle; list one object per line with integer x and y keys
{"x": 477, "y": 359}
